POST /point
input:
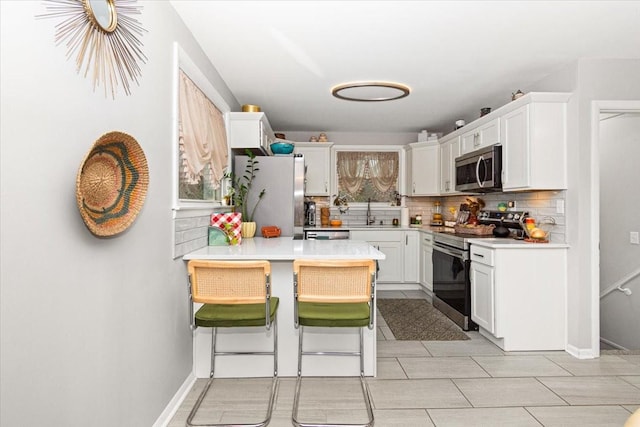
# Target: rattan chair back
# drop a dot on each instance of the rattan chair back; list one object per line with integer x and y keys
{"x": 334, "y": 281}
{"x": 229, "y": 282}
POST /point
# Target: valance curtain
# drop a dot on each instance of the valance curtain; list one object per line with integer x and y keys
{"x": 384, "y": 170}
{"x": 381, "y": 168}
{"x": 351, "y": 169}
{"x": 203, "y": 140}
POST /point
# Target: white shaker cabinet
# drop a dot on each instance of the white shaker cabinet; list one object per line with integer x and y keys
{"x": 411, "y": 255}
{"x": 317, "y": 163}
{"x": 390, "y": 243}
{"x": 449, "y": 150}
{"x": 481, "y": 276}
{"x": 481, "y": 136}
{"x": 252, "y": 131}
{"x": 426, "y": 260}
{"x": 401, "y": 249}
{"x": 424, "y": 175}
{"x": 534, "y": 147}
{"x": 518, "y": 294}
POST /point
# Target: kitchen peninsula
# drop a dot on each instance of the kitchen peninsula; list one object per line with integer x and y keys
{"x": 281, "y": 252}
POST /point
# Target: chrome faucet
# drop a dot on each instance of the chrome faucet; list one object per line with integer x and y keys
{"x": 369, "y": 219}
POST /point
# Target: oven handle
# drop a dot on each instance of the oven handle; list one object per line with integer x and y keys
{"x": 454, "y": 253}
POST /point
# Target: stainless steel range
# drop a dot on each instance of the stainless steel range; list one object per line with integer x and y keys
{"x": 451, "y": 262}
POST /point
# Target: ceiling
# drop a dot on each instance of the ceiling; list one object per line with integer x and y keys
{"x": 456, "y": 57}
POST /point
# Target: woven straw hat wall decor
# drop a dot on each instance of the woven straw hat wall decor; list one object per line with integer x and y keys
{"x": 111, "y": 184}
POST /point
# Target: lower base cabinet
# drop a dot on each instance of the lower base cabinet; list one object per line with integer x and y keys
{"x": 426, "y": 260}
{"x": 518, "y": 295}
{"x": 400, "y": 247}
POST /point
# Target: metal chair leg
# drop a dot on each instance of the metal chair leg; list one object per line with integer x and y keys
{"x": 272, "y": 395}
{"x": 363, "y": 383}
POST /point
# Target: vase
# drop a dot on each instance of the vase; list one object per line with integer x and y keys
{"x": 248, "y": 229}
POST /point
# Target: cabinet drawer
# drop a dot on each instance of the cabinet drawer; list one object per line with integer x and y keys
{"x": 427, "y": 239}
{"x": 482, "y": 255}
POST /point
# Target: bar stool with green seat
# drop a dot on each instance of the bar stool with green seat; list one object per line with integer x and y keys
{"x": 333, "y": 293}
{"x": 235, "y": 294}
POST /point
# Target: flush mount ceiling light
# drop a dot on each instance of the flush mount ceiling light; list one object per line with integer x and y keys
{"x": 370, "y": 91}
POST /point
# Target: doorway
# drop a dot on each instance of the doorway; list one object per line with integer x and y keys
{"x": 616, "y": 291}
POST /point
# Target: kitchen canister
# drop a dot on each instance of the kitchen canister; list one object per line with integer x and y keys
{"x": 404, "y": 216}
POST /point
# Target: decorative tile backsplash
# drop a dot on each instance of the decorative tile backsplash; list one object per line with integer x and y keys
{"x": 539, "y": 204}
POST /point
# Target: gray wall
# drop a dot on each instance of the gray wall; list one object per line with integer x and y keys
{"x": 619, "y": 149}
{"x": 93, "y": 331}
{"x": 589, "y": 80}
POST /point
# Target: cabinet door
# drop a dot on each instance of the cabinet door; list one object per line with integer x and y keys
{"x": 426, "y": 262}
{"x": 482, "y": 136}
{"x": 515, "y": 150}
{"x": 449, "y": 150}
{"x": 391, "y": 243}
{"x": 391, "y": 267}
{"x": 250, "y": 130}
{"x": 425, "y": 170}
{"x": 483, "y": 296}
{"x": 411, "y": 257}
{"x": 317, "y": 170}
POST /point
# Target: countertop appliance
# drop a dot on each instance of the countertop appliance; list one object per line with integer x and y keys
{"x": 326, "y": 234}
{"x": 451, "y": 264}
{"x": 480, "y": 171}
{"x": 512, "y": 220}
{"x": 283, "y": 202}
{"x": 310, "y": 213}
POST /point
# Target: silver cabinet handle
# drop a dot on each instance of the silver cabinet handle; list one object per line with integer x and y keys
{"x": 478, "y": 255}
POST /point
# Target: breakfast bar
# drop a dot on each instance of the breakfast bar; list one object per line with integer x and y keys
{"x": 281, "y": 252}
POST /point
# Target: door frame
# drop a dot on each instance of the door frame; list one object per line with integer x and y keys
{"x": 597, "y": 108}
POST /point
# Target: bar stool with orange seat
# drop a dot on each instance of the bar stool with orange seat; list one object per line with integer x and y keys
{"x": 235, "y": 294}
{"x": 333, "y": 293}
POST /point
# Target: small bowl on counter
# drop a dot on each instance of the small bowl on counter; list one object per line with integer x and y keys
{"x": 280, "y": 147}
{"x": 335, "y": 223}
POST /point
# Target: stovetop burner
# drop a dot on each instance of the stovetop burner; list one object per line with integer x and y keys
{"x": 513, "y": 220}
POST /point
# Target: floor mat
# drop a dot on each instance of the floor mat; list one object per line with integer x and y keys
{"x": 418, "y": 320}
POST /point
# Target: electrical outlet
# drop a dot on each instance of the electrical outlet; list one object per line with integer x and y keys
{"x": 634, "y": 239}
{"x": 560, "y": 206}
{"x": 511, "y": 204}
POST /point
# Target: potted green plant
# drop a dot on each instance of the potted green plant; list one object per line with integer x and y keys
{"x": 242, "y": 186}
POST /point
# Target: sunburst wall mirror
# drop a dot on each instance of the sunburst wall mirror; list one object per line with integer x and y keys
{"x": 104, "y": 36}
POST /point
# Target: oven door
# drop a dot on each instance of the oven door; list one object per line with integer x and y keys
{"x": 451, "y": 285}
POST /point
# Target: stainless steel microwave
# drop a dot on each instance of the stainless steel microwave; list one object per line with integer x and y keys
{"x": 480, "y": 171}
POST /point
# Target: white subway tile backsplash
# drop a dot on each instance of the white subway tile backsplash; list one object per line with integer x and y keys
{"x": 191, "y": 233}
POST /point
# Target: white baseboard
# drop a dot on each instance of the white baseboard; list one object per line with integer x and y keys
{"x": 177, "y": 399}
{"x": 580, "y": 353}
{"x": 612, "y": 344}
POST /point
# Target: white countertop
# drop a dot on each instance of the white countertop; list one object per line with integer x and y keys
{"x": 287, "y": 249}
{"x": 495, "y": 242}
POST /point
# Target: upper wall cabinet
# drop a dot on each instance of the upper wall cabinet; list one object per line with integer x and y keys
{"x": 533, "y": 133}
{"x": 482, "y": 136}
{"x": 534, "y": 147}
{"x": 449, "y": 150}
{"x": 252, "y": 131}
{"x": 317, "y": 164}
{"x": 423, "y": 177}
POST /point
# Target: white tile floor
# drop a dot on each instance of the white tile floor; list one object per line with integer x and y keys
{"x": 453, "y": 383}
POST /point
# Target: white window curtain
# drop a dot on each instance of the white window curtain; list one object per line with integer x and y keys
{"x": 369, "y": 172}
{"x": 383, "y": 170}
{"x": 351, "y": 170}
{"x": 203, "y": 139}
